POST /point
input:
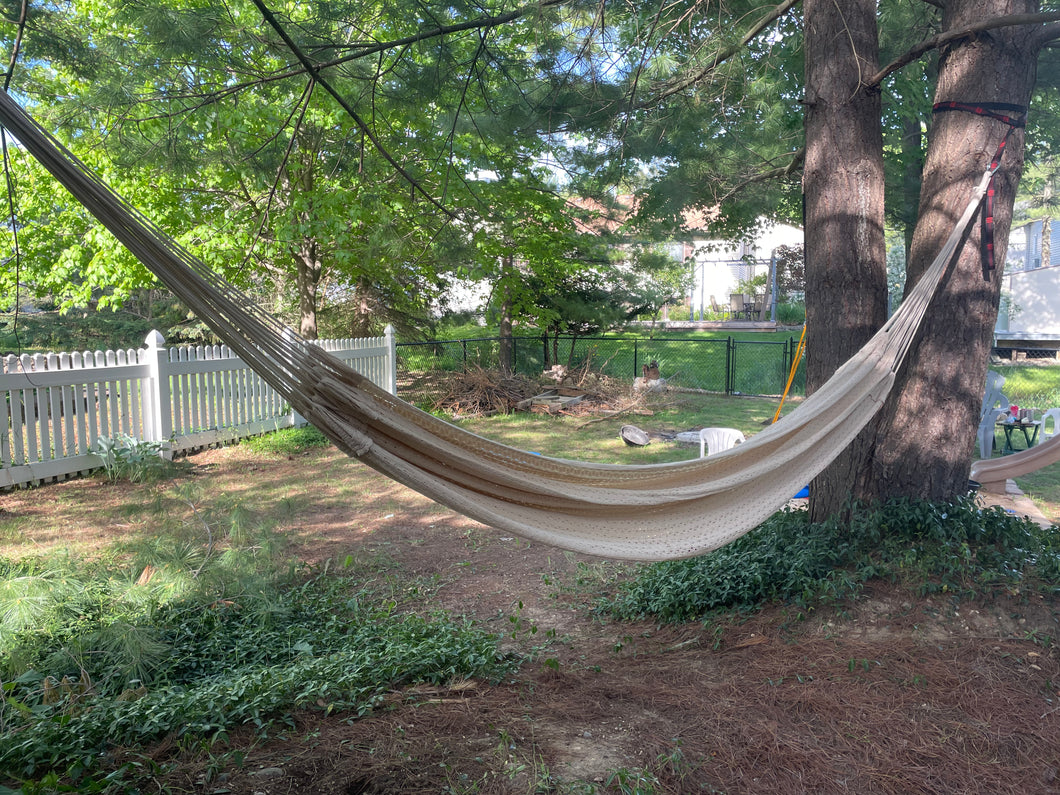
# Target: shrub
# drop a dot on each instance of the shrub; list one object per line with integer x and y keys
{"x": 956, "y": 548}
{"x": 791, "y": 314}
{"x": 128, "y": 458}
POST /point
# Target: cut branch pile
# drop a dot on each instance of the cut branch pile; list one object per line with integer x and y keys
{"x": 478, "y": 393}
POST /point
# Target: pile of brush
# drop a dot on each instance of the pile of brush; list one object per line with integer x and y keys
{"x": 479, "y": 393}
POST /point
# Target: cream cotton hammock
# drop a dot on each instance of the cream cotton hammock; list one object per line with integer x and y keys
{"x": 636, "y": 512}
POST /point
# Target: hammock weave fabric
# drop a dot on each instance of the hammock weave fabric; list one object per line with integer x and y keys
{"x": 636, "y": 512}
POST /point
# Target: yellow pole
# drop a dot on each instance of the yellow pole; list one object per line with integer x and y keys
{"x": 791, "y": 376}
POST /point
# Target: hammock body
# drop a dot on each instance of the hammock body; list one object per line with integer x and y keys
{"x": 637, "y": 512}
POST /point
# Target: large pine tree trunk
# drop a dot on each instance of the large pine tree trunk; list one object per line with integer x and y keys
{"x": 928, "y": 428}
{"x": 843, "y": 184}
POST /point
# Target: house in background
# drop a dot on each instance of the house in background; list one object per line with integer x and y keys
{"x": 1029, "y": 318}
{"x": 718, "y": 266}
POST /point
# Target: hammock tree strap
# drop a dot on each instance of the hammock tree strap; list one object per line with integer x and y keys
{"x": 1015, "y": 116}
{"x": 638, "y": 512}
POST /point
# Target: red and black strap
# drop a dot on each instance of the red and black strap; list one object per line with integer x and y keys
{"x": 1015, "y": 116}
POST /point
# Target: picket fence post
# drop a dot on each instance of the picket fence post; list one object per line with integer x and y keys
{"x": 154, "y": 390}
{"x": 391, "y": 359}
{"x": 297, "y": 420}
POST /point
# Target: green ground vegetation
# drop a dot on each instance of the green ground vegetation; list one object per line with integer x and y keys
{"x": 957, "y": 549}
{"x": 960, "y": 549}
{"x": 197, "y": 622}
{"x": 1032, "y": 385}
{"x": 192, "y": 628}
{"x": 287, "y": 441}
{"x": 662, "y": 417}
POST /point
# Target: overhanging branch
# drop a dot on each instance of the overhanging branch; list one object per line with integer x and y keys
{"x": 364, "y": 50}
{"x": 676, "y": 86}
{"x": 1049, "y": 34}
{"x": 942, "y": 39}
{"x": 797, "y": 159}
{"x": 346, "y": 106}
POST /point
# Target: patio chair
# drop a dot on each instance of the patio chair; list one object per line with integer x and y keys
{"x": 715, "y": 440}
{"x": 736, "y": 305}
{"x": 993, "y": 398}
{"x": 1054, "y": 415}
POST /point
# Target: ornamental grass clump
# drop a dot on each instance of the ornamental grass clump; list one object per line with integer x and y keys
{"x": 97, "y": 659}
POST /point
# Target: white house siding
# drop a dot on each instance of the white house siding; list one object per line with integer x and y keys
{"x": 719, "y": 265}
{"x": 1030, "y": 310}
{"x": 1034, "y": 298}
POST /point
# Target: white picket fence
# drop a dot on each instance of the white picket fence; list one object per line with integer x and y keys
{"x": 54, "y": 407}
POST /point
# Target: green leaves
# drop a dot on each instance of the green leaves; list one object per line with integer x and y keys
{"x": 205, "y": 662}
{"x": 950, "y": 548}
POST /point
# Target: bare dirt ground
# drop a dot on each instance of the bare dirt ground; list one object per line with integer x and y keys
{"x": 894, "y": 694}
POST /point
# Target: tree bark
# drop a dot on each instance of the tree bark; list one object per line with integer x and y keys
{"x": 912, "y": 169}
{"x": 504, "y": 326}
{"x": 925, "y": 439}
{"x": 364, "y": 318}
{"x": 307, "y": 282}
{"x": 843, "y": 183}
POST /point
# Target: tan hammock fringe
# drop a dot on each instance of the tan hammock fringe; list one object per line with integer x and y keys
{"x": 637, "y": 512}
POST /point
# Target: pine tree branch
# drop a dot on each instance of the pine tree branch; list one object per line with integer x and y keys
{"x": 370, "y": 134}
{"x": 672, "y": 87}
{"x": 949, "y": 36}
{"x": 307, "y": 95}
{"x": 365, "y": 50}
{"x": 17, "y": 46}
{"x": 1049, "y": 34}
{"x": 782, "y": 171}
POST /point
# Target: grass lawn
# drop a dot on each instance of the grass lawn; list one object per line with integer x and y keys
{"x": 1035, "y": 386}
{"x": 583, "y": 438}
{"x": 575, "y": 437}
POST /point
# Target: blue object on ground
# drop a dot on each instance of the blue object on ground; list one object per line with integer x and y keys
{"x": 802, "y": 494}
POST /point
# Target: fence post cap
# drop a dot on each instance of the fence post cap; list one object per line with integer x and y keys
{"x": 154, "y": 339}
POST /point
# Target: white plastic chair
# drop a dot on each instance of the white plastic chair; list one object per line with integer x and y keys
{"x": 714, "y": 440}
{"x": 992, "y": 398}
{"x": 987, "y": 428}
{"x": 1054, "y": 415}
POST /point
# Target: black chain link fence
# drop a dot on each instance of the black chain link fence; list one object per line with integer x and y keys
{"x": 730, "y": 366}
